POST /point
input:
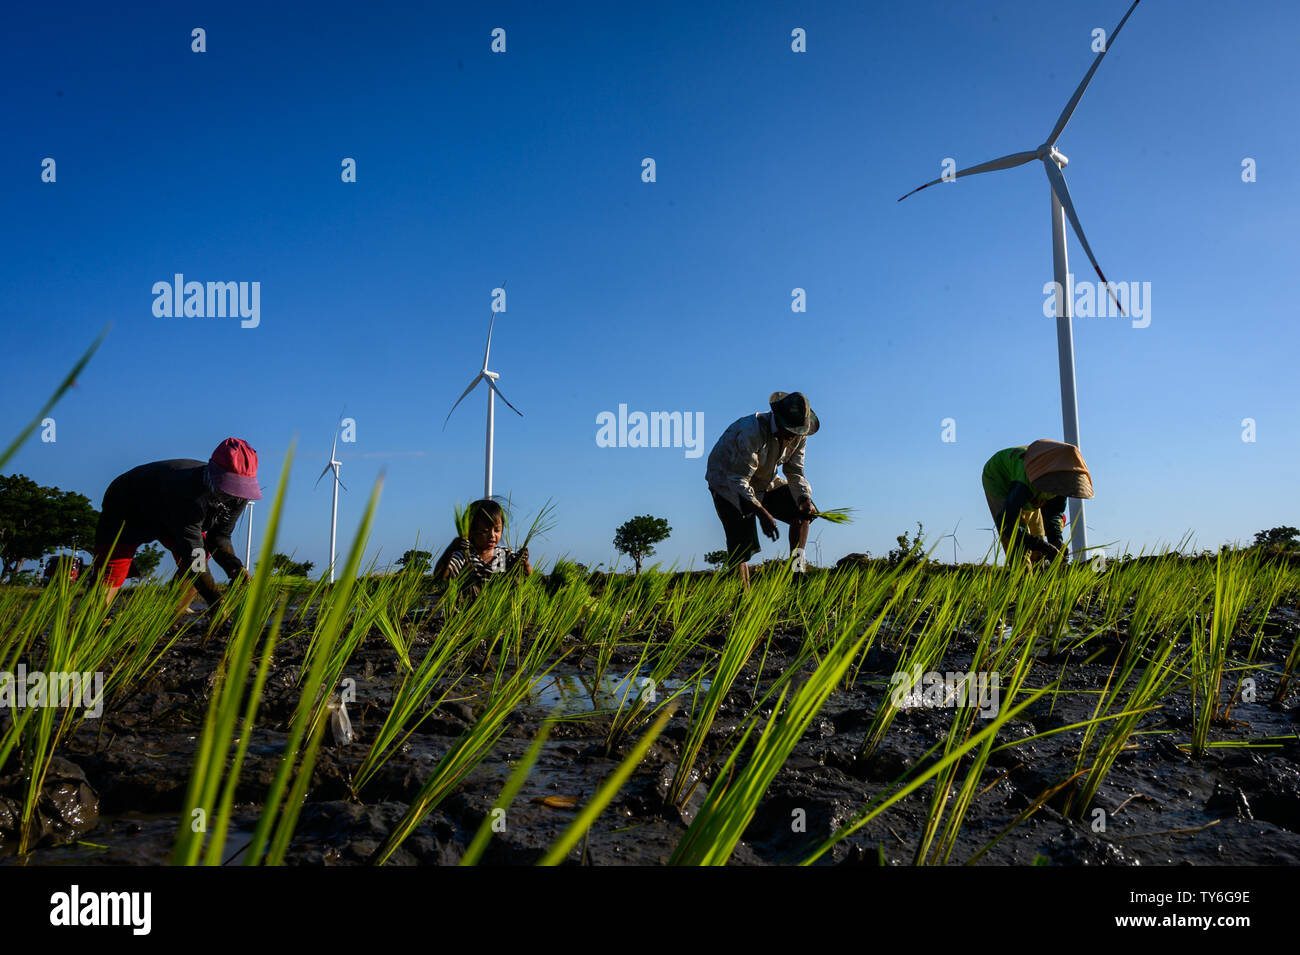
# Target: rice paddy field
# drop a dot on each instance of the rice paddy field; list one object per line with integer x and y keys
{"x": 913, "y": 714}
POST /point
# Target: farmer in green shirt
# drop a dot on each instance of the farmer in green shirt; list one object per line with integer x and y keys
{"x": 1027, "y": 486}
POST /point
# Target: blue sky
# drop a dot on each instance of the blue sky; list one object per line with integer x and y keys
{"x": 775, "y": 170}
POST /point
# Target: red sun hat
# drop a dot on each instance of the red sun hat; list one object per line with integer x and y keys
{"x": 233, "y": 469}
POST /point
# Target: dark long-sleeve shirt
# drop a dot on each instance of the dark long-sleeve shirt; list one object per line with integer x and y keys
{"x": 169, "y": 501}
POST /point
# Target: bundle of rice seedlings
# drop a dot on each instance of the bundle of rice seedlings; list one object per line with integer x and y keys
{"x": 837, "y": 515}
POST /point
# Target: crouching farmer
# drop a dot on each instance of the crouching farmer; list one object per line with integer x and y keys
{"x": 188, "y": 506}
{"x": 1026, "y": 490}
{"x": 746, "y": 489}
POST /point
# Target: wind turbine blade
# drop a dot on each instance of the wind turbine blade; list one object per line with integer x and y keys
{"x": 461, "y": 398}
{"x": 1006, "y": 162}
{"x": 341, "y": 484}
{"x": 1074, "y": 100}
{"x": 1063, "y": 195}
{"x": 493, "y": 385}
{"x": 335, "y": 446}
{"x": 492, "y": 321}
{"x": 323, "y": 473}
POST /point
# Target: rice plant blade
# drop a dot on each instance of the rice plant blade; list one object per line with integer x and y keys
{"x": 69, "y": 380}
{"x": 507, "y": 797}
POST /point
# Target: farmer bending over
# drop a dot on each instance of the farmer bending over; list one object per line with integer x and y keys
{"x": 479, "y": 555}
{"x": 186, "y": 505}
{"x": 742, "y": 478}
{"x": 1027, "y": 486}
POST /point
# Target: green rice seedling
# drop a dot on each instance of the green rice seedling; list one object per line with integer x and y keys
{"x": 439, "y": 663}
{"x": 541, "y": 525}
{"x": 39, "y": 728}
{"x": 905, "y": 787}
{"x": 605, "y": 794}
{"x": 1283, "y": 683}
{"x": 690, "y": 620}
{"x": 922, "y": 655}
{"x": 224, "y": 705}
{"x": 837, "y": 515}
{"x": 1010, "y": 657}
{"x": 605, "y": 621}
{"x": 69, "y": 380}
{"x": 464, "y": 755}
{"x": 1097, "y": 753}
{"x": 1072, "y": 582}
{"x": 277, "y": 821}
{"x": 311, "y": 600}
{"x": 381, "y": 604}
{"x": 758, "y": 610}
{"x": 507, "y": 797}
{"x": 1210, "y": 648}
{"x": 1266, "y": 584}
{"x": 221, "y": 818}
{"x": 735, "y": 795}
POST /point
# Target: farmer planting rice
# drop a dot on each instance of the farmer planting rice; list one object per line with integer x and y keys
{"x": 478, "y": 554}
{"x": 189, "y": 507}
{"x": 745, "y": 486}
{"x": 1026, "y": 488}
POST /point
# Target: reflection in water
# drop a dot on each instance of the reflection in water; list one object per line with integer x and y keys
{"x": 579, "y": 693}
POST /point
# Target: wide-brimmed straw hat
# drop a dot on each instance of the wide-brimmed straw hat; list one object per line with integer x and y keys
{"x": 791, "y": 412}
{"x": 1057, "y": 468}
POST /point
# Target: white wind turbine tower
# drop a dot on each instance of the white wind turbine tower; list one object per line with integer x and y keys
{"x": 248, "y": 543}
{"x": 493, "y": 391}
{"x": 1053, "y": 162}
{"x": 334, "y": 464}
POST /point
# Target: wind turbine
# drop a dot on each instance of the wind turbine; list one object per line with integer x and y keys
{"x": 493, "y": 391}
{"x": 334, "y": 464}
{"x": 1053, "y": 162}
{"x": 955, "y": 542}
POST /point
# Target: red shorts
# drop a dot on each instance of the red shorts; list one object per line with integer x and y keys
{"x": 112, "y": 569}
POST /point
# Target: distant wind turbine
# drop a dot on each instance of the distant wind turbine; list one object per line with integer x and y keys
{"x": 493, "y": 391}
{"x": 955, "y": 542}
{"x": 1053, "y": 162}
{"x": 334, "y": 464}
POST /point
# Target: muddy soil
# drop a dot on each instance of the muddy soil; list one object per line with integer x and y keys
{"x": 116, "y": 795}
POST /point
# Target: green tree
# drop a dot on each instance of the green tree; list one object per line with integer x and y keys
{"x": 284, "y": 564}
{"x": 637, "y": 537}
{"x": 145, "y": 561}
{"x": 716, "y": 557}
{"x": 908, "y": 550}
{"x": 1279, "y": 540}
{"x": 416, "y": 561}
{"x": 35, "y": 520}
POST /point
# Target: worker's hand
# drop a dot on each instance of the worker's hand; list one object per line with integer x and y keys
{"x": 807, "y": 508}
{"x": 768, "y": 523}
{"x": 522, "y": 557}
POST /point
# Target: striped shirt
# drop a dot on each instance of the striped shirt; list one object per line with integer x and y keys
{"x": 464, "y": 560}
